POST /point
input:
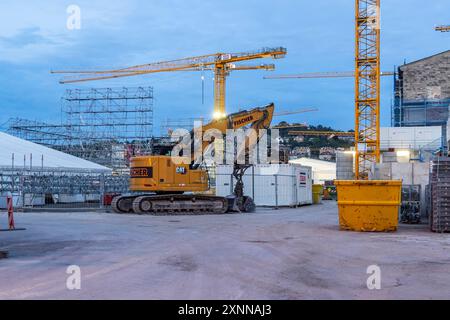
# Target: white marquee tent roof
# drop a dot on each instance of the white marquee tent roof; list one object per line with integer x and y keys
{"x": 322, "y": 170}
{"x": 10, "y": 145}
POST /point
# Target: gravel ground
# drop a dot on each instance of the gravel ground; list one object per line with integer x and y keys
{"x": 271, "y": 254}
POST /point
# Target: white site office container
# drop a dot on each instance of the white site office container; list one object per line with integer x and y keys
{"x": 270, "y": 185}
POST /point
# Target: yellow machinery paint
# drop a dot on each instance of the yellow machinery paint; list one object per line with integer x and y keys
{"x": 317, "y": 191}
{"x": 166, "y": 174}
{"x": 369, "y": 206}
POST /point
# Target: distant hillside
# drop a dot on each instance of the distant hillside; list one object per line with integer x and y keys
{"x": 314, "y": 145}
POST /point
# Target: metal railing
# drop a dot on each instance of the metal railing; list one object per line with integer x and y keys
{"x": 53, "y": 188}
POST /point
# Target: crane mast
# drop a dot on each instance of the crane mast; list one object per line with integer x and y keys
{"x": 367, "y": 76}
{"x": 367, "y": 86}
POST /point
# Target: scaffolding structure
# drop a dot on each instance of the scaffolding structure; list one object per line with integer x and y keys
{"x": 106, "y": 126}
{"x": 59, "y": 187}
{"x": 38, "y": 132}
{"x": 418, "y": 112}
{"x": 124, "y": 114}
{"x": 170, "y": 125}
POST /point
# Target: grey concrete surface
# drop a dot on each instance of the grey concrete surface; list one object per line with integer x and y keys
{"x": 270, "y": 254}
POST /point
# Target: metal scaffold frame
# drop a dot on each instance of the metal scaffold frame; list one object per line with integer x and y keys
{"x": 38, "y": 132}
{"x": 41, "y": 186}
{"x": 124, "y": 114}
{"x": 105, "y": 126}
{"x": 170, "y": 124}
{"x": 367, "y": 82}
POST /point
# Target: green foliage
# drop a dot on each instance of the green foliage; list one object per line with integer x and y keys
{"x": 314, "y": 142}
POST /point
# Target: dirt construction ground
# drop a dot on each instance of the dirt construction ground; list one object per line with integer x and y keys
{"x": 271, "y": 254}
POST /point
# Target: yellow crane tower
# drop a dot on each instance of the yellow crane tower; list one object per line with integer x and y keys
{"x": 221, "y": 63}
{"x": 367, "y": 76}
{"x": 367, "y": 86}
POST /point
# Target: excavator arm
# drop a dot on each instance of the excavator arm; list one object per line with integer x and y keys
{"x": 256, "y": 119}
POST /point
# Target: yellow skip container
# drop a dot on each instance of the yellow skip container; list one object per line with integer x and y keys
{"x": 368, "y": 206}
{"x": 317, "y": 191}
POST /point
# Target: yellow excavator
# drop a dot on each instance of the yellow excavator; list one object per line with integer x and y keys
{"x": 174, "y": 185}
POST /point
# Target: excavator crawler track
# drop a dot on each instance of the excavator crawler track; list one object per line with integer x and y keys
{"x": 172, "y": 204}
{"x": 122, "y": 204}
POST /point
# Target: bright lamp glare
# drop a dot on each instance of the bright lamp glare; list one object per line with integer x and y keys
{"x": 219, "y": 115}
{"x": 403, "y": 153}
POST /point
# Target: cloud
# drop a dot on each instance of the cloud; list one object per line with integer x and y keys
{"x": 35, "y": 31}
{"x": 25, "y": 37}
{"x": 319, "y": 36}
{"x": 27, "y": 45}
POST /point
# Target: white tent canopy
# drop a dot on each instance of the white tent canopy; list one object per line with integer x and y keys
{"x": 322, "y": 170}
{"x": 37, "y": 156}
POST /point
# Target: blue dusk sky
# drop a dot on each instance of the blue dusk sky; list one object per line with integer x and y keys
{"x": 319, "y": 37}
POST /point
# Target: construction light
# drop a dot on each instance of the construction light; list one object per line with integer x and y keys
{"x": 403, "y": 154}
{"x": 219, "y": 115}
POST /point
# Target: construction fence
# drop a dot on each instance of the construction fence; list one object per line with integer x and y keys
{"x": 51, "y": 188}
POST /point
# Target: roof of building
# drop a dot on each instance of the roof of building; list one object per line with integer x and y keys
{"x": 424, "y": 59}
{"x": 38, "y": 156}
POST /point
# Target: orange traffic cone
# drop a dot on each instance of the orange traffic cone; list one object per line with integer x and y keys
{"x": 9, "y": 205}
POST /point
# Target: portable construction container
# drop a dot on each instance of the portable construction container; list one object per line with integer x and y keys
{"x": 269, "y": 184}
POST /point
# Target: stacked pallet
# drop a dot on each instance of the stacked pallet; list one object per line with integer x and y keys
{"x": 440, "y": 195}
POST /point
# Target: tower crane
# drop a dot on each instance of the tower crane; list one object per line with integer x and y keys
{"x": 443, "y": 28}
{"x": 313, "y": 75}
{"x": 367, "y": 77}
{"x": 299, "y": 111}
{"x": 221, "y": 63}
{"x": 288, "y": 113}
{"x": 367, "y": 86}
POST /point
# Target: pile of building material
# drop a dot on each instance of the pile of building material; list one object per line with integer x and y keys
{"x": 440, "y": 195}
{"x": 345, "y": 165}
{"x": 412, "y": 174}
{"x": 410, "y": 209}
